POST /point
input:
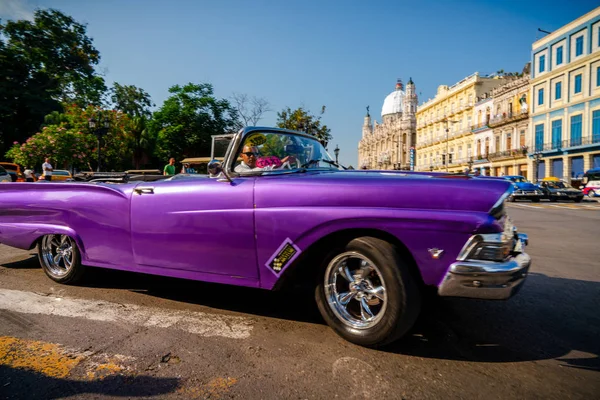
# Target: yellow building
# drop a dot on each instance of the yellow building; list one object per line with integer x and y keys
{"x": 565, "y": 91}
{"x": 510, "y": 124}
{"x": 444, "y": 124}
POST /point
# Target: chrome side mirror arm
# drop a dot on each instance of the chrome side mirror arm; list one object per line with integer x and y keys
{"x": 215, "y": 170}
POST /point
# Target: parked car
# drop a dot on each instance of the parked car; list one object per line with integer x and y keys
{"x": 591, "y": 181}
{"x": 4, "y": 175}
{"x": 367, "y": 243}
{"x": 523, "y": 189}
{"x": 14, "y": 171}
{"x": 554, "y": 189}
{"x": 61, "y": 175}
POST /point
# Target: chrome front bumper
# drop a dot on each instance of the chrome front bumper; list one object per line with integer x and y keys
{"x": 487, "y": 279}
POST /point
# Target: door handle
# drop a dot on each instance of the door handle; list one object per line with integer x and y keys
{"x": 142, "y": 190}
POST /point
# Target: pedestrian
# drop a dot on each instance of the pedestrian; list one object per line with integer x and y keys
{"x": 47, "y": 169}
{"x": 29, "y": 176}
{"x": 170, "y": 167}
{"x": 186, "y": 169}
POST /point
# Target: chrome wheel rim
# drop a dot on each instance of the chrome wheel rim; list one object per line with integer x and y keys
{"x": 58, "y": 254}
{"x": 355, "y": 290}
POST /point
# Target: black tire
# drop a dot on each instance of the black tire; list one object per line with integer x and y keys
{"x": 512, "y": 199}
{"x": 403, "y": 298}
{"x": 578, "y": 200}
{"x": 553, "y": 199}
{"x": 535, "y": 200}
{"x": 61, "y": 272}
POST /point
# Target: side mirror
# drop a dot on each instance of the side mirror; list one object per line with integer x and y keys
{"x": 214, "y": 168}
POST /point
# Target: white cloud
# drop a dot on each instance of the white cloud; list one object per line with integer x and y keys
{"x": 15, "y": 9}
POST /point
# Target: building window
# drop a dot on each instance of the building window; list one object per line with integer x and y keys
{"x": 559, "y": 55}
{"x": 598, "y": 75}
{"x": 558, "y": 91}
{"x": 579, "y": 46}
{"x": 539, "y": 137}
{"x": 508, "y": 141}
{"x": 522, "y": 139}
{"x": 596, "y": 126}
{"x": 557, "y": 134}
{"x": 576, "y": 130}
{"x": 540, "y": 97}
{"x": 498, "y": 143}
{"x": 542, "y": 64}
{"x": 578, "y": 83}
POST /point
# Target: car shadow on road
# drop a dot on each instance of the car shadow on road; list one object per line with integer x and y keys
{"x": 550, "y": 318}
{"x": 28, "y": 263}
{"x": 22, "y": 383}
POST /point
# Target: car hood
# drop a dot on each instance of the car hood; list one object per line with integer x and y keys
{"x": 526, "y": 185}
{"x": 565, "y": 190}
{"x": 379, "y": 189}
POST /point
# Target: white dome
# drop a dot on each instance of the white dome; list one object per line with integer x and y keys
{"x": 393, "y": 103}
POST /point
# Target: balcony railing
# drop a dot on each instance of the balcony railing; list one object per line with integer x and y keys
{"x": 480, "y": 126}
{"x": 506, "y": 118}
{"x": 566, "y": 144}
{"x": 513, "y": 153}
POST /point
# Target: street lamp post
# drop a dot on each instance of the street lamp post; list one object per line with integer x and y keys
{"x": 470, "y": 164}
{"x": 337, "y": 153}
{"x": 536, "y": 159}
{"x": 99, "y": 131}
{"x": 446, "y": 161}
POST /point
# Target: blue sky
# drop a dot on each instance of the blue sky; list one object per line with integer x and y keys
{"x": 341, "y": 54}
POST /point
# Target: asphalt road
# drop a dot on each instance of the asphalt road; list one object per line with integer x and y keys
{"x": 124, "y": 335}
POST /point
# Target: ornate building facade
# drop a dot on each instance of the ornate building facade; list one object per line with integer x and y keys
{"x": 390, "y": 144}
{"x": 564, "y": 127}
{"x": 444, "y": 127}
{"x": 510, "y": 123}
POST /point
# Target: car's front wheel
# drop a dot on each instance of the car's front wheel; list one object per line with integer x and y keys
{"x": 591, "y": 193}
{"x": 60, "y": 259}
{"x": 366, "y": 292}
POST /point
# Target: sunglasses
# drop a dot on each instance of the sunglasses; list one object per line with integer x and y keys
{"x": 250, "y": 153}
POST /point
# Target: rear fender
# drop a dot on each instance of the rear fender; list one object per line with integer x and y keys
{"x": 26, "y": 235}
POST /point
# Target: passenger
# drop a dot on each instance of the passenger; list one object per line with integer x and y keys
{"x": 249, "y": 160}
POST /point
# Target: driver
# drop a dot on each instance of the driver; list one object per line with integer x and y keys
{"x": 249, "y": 157}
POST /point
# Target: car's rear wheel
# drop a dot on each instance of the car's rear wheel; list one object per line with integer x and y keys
{"x": 578, "y": 200}
{"x": 366, "y": 292}
{"x": 535, "y": 200}
{"x": 60, "y": 259}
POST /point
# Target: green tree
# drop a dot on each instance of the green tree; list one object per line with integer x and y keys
{"x": 134, "y": 101}
{"x": 187, "y": 119}
{"x": 71, "y": 143}
{"x": 301, "y": 120}
{"x": 43, "y": 63}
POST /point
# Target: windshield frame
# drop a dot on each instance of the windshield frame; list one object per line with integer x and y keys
{"x": 238, "y": 141}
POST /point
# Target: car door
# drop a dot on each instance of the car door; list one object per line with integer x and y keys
{"x": 198, "y": 224}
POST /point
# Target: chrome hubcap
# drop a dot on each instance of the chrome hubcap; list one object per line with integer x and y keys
{"x": 57, "y": 254}
{"x": 355, "y": 290}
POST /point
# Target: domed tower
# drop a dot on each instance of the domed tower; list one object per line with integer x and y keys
{"x": 394, "y": 102}
{"x": 367, "y": 125}
{"x": 410, "y": 101}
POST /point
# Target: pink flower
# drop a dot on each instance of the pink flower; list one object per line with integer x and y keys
{"x": 15, "y": 142}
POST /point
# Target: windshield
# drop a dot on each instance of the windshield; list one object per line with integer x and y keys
{"x": 518, "y": 179}
{"x": 554, "y": 185}
{"x": 278, "y": 151}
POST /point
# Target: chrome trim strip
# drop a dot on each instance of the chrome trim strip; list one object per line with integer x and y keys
{"x": 497, "y": 209}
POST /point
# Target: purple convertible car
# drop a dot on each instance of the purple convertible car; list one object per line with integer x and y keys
{"x": 279, "y": 211}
